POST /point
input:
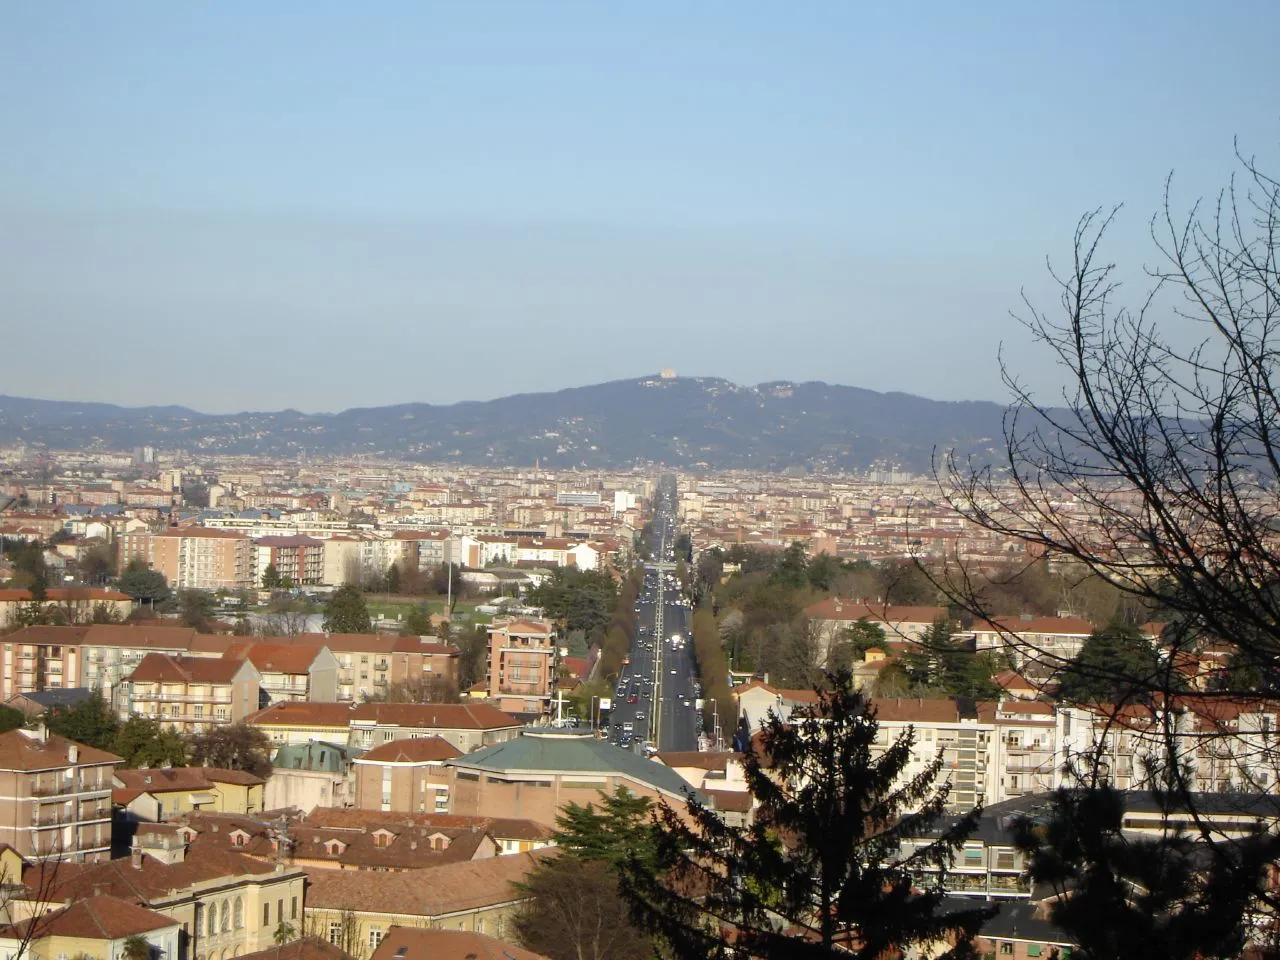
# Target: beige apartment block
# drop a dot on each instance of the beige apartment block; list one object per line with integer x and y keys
{"x": 369, "y": 664}
{"x": 287, "y": 671}
{"x": 55, "y": 797}
{"x": 196, "y": 558}
{"x": 190, "y": 694}
{"x": 405, "y": 775}
{"x": 467, "y": 726}
{"x": 522, "y": 664}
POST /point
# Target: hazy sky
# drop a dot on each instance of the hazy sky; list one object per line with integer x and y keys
{"x": 323, "y": 205}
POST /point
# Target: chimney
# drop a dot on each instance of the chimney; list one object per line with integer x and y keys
{"x": 73, "y": 752}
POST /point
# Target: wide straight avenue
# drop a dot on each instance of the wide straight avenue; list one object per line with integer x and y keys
{"x": 655, "y": 702}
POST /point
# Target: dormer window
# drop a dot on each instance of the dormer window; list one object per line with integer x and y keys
{"x": 382, "y": 838}
{"x": 239, "y": 838}
{"x": 334, "y": 847}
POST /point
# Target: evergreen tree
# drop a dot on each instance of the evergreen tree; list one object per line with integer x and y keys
{"x": 271, "y": 578}
{"x": 820, "y": 872}
{"x": 347, "y": 612}
{"x": 1129, "y": 898}
{"x": 393, "y": 578}
{"x": 144, "y": 584}
{"x": 1112, "y": 663}
{"x": 575, "y": 911}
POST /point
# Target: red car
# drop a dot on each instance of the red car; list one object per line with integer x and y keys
{"x": 633, "y": 699}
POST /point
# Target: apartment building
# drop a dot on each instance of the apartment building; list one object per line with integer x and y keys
{"x": 962, "y": 730}
{"x": 41, "y": 658}
{"x": 153, "y": 795}
{"x": 522, "y": 664}
{"x": 76, "y": 604}
{"x": 434, "y": 547}
{"x": 190, "y": 694}
{"x": 1038, "y": 647}
{"x": 407, "y": 776}
{"x": 370, "y": 663}
{"x": 291, "y": 722}
{"x": 466, "y": 726}
{"x": 299, "y": 559}
{"x": 110, "y": 652}
{"x": 196, "y": 558}
{"x": 287, "y": 670}
{"x": 55, "y": 797}
{"x": 1024, "y": 745}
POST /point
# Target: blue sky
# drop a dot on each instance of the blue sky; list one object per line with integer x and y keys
{"x": 322, "y": 205}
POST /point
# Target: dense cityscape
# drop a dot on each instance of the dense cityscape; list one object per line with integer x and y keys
{"x": 561, "y": 481}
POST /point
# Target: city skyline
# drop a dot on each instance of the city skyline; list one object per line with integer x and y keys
{"x": 853, "y": 196}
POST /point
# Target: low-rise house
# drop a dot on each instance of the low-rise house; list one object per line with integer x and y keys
{"x": 415, "y": 943}
{"x": 290, "y": 722}
{"x": 307, "y": 775}
{"x": 1023, "y": 931}
{"x": 355, "y": 910}
{"x": 191, "y": 694}
{"x": 154, "y": 795}
{"x": 57, "y": 796}
{"x": 989, "y": 866}
{"x": 38, "y": 703}
{"x": 466, "y": 726}
{"x": 95, "y": 927}
{"x": 834, "y": 615}
{"x": 406, "y": 775}
{"x": 383, "y": 847}
{"x": 537, "y": 774}
{"x": 1038, "y": 647}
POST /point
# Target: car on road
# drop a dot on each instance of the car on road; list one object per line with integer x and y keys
{"x": 673, "y": 671}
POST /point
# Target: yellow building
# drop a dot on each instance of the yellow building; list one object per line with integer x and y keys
{"x": 95, "y": 928}
{"x": 354, "y": 910}
{"x": 225, "y": 903}
{"x": 295, "y": 722}
{"x": 158, "y": 794}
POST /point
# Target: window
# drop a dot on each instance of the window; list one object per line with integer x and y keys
{"x": 375, "y": 938}
{"x": 1006, "y": 949}
{"x": 266, "y": 914}
{"x": 239, "y": 913}
{"x": 213, "y": 921}
{"x": 1033, "y": 949}
{"x": 335, "y": 932}
{"x": 226, "y": 916}
{"x": 280, "y": 909}
{"x": 293, "y": 909}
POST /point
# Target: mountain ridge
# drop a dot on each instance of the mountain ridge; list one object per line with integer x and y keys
{"x": 706, "y": 422}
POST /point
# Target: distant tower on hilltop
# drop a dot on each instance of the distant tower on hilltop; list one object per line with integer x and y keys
{"x": 668, "y": 374}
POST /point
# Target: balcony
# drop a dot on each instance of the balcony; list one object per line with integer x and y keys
{"x": 58, "y": 789}
{"x": 381, "y": 665}
{"x": 54, "y": 817}
{"x": 184, "y": 698}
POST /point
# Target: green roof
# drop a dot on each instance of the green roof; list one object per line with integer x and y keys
{"x": 314, "y": 755}
{"x": 548, "y": 752}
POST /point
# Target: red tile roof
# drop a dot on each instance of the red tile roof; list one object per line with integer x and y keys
{"x": 304, "y": 714}
{"x": 166, "y": 668}
{"x": 417, "y": 750}
{"x": 440, "y": 716}
{"x": 100, "y": 917}
{"x": 835, "y": 608}
{"x": 23, "y": 750}
{"x": 415, "y": 943}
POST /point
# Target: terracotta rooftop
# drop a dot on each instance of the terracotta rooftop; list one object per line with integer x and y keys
{"x": 141, "y": 635}
{"x": 167, "y": 668}
{"x": 500, "y": 828}
{"x": 702, "y": 760}
{"x": 449, "y": 888}
{"x": 23, "y": 750}
{"x": 417, "y": 750}
{"x": 416, "y": 943}
{"x": 443, "y": 716}
{"x": 100, "y": 917}
{"x": 835, "y": 608}
{"x": 134, "y": 783}
{"x": 304, "y": 948}
{"x": 303, "y": 714}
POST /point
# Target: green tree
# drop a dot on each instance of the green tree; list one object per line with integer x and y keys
{"x": 196, "y": 608}
{"x": 91, "y": 722}
{"x": 271, "y": 578}
{"x": 1125, "y": 897}
{"x": 1113, "y": 665}
{"x": 580, "y": 599}
{"x": 235, "y": 746}
{"x": 575, "y": 911}
{"x": 141, "y": 583}
{"x": 97, "y": 564}
{"x": 136, "y": 947}
{"x": 821, "y": 871}
{"x": 393, "y": 578}
{"x": 11, "y": 719}
{"x": 140, "y": 741}
{"x": 942, "y": 664}
{"x": 284, "y": 933}
{"x": 793, "y": 568}
{"x": 347, "y": 612}
{"x": 417, "y": 622}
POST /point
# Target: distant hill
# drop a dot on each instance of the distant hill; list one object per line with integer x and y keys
{"x": 684, "y": 422}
